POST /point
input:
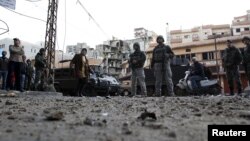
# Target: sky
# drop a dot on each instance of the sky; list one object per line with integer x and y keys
{"x": 117, "y": 18}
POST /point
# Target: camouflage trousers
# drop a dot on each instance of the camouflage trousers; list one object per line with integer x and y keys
{"x": 140, "y": 75}
{"x": 39, "y": 77}
{"x": 233, "y": 74}
{"x": 163, "y": 72}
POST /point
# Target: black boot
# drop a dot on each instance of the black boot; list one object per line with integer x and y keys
{"x": 231, "y": 91}
{"x": 239, "y": 91}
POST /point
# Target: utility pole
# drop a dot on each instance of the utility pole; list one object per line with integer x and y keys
{"x": 50, "y": 35}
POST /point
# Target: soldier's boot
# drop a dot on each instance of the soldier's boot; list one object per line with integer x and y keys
{"x": 158, "y": 94}
{"x": 239, "y": 91}
{"x": 231, "y": 91}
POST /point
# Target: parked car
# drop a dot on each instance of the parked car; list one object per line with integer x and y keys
{"x": 98, "y": 83}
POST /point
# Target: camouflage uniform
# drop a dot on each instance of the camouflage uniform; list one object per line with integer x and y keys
{"x": 40, "y": 65}
{"x": 138, "y": 71}
{"x": 161, "y": 64}
{"x": 231, "y": 61}
{"x": 246, "y": 61}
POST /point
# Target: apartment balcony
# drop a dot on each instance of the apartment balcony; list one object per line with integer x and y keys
{"x": 196, "y": 39}
{"x": 176, "y": 41}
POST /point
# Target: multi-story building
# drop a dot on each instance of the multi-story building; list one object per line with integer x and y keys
{"x": 241, "y": 24}
{"x": 114, "y": 52}
{"x": 199, "y": 33}
{"x": 144, "y": 37}
{"x": 74, "y": 49}
{"x": 30, "y": 49}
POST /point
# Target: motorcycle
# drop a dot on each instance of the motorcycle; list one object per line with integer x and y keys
{"x": 206, "y": 86}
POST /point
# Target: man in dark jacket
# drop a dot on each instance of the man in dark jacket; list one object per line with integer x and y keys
{"x": 246, "y": 56}
{"x": 196, "y": 74}
{"x": 4, "y": 61}
{"x": 23, "y": 73}
{"x": 29, "y": 75}
{"x": 231, "y": 61}
{"x": 40, "y": 66}
{"x": 82, "y": 71}
{"x": 136, "y": 63}
{"x": 161, "y": 64}
{"x": 207, "y": 71}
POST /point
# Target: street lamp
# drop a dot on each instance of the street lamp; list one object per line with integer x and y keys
{"x": 167, "y": 34}
{"x": 216, "y": 57}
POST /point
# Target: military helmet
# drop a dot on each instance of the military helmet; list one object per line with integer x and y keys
{"x": 245, "y": 38}
{"x": 159, "y": 37}
{"x": 42, "y": 50}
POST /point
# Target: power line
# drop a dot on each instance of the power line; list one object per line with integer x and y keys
{"x": 33, "y": 0}
{"x": 97, "y": 24}
{"x": 6, "y": 30}
{"x": 65, "y": 24}
{"x": 27, "y": 16}
{"x": 65, "y": 27}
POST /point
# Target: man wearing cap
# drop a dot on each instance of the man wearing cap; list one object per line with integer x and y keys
{"x": 246, "y": 56}
{"x": 15, "y": 62}
{"x": 231, "y": 61}
{"x": 196, "y": 73}
{"x": 4, "y": 61}
{"x": 162, "y": 54}
{"x": 136, "y": 63}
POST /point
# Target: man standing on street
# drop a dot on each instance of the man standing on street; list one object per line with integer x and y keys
{"x": 246, "y": 56}
{"x": 40, "y": 66}
{"x": 15, "y": 62}
{"x": 29, "y": 75}
{"x": 82, "y": 71}
{"x": 4, "y": 61}
{"x": 231, "y": 61}
{"x": 161, "y": 64}
{"x": 136, "y": 63}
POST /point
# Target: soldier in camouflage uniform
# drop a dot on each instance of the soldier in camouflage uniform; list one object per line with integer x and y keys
{"x": 40, "y": 65}
{"x": 246, "y": 56}
{"x": 161, "y": 63}
{"x": 231, "y": 61}
{"x": 136, "y": 63}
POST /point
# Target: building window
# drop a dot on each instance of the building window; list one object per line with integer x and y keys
{"x": 246, "y": 28}
{"x": 237, "y": 29}
{"x": 31, "y": 50}
{"x": 178, "y": 37}
{"x": 2, "y": 46}
{"x": 195, "y": 35}
{"x": 186, "y": 36}
{"x": 208, "y": 56}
